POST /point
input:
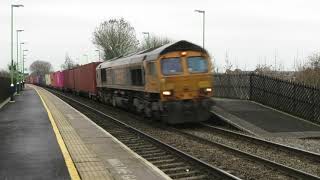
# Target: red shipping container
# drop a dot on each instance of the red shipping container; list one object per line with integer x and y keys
{"x": 68, "y": 79}
{"x": 85, "y": 78}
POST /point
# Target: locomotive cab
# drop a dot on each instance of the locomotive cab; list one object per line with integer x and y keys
{"x": 185, "y": 75}
{"x": 186, "y": 86}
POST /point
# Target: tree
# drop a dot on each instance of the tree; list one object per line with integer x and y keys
{"x": 263, "y": 69}
{"x": 40, "y": 67}
{"x": 68, "y": 63}
{"x": 152, "y": 41}
{"x": 116, "y": 37}
{"x": 310, "y": 73}
{"x": 314, "y": 61}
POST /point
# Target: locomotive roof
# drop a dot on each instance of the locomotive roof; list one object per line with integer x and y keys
{"x": 151, "y": 54}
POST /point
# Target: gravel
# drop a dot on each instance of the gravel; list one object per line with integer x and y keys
{"x": 272, "y": 153}
{"x": 240, "y": 166}
{"x": 312, "y": 145}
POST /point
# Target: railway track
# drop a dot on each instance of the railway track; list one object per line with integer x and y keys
{"x": 249, "y": 167}
{"x": 175, "y": 163}
{"x": 300, "y": 153}
{"x": 300, "y": 156}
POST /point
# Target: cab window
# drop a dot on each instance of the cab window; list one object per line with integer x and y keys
{"x": 152, "y": 69}
{"x": 197, "y": 64}
{"x": 171, "y": 66}
{"x": 103, "y": 75}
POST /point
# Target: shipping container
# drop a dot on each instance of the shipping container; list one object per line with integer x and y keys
{"x": 41, "y": 80}
{"x": 58, "y": 80}
{"x": 36, "y": 80}
{"x": 85, "y": 79}
{"x": 52, "y": 80}
{"x": 48, "y": 80}
{"x": 68, "y": 79}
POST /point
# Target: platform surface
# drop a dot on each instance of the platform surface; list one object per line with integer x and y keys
{"x": 95, "y": 152}
{"x": 29, "y": 149}
{"x": 262, "y": 120}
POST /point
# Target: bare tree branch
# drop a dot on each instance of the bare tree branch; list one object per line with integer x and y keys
{"x": 153, "y": 41}
{"x": 40, "y": 67}
{"x": 116, "y": 37}
{"x": 68, "y": 63}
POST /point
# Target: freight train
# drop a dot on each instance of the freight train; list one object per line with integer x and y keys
{"x": 171, "y": 83}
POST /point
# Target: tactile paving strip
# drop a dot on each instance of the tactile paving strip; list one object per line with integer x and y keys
{"x": 88, "y": 164}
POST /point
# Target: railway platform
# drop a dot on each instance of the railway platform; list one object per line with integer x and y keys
{"x": 261, "y": 120}
{"x": 45, "y": 138}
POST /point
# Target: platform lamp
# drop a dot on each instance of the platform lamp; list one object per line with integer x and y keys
{"x": 11, "y": 69}
{"x": 203, "y": 24}
{"x": 18, "y": 73}
{"x": 21, "y": 64}
{"x": 23, "y": 61}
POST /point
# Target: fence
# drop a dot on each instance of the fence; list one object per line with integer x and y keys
{"x": 287, "y": 96}
{"x": 4, "y": 88}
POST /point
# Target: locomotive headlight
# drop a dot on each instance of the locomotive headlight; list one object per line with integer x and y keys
{"x": 208, "y": 89}
{"x": 183, "y": 53}
{"x": 166, "y": 93}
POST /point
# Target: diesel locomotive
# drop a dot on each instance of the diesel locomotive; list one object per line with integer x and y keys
{"x": 172, "y": 83}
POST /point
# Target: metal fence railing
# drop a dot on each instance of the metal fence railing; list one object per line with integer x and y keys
{"x": 291, "y": 97}
{"x": 235, "y": 86}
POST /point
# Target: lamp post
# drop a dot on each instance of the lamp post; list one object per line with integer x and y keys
{"x": 22, "y": 64}
{"x": 203, "y": 24}
{"x": 23, "y": 55}
{"x": 18, "y": 73}
{"x": 98, "y": 53}
{"x": 11, "y": 70}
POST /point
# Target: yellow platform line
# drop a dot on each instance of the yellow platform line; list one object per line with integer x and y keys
{"x": 67, "y": 158}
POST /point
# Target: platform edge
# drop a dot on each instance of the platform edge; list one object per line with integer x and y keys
{"x": 66, "y": 155}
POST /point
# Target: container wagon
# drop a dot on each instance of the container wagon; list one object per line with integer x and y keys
{"x": 85, "y": 79}
{"x": 58, "y": 80}
{"x": 48, "y": 80}
{"x": 52, "y": 80}
{"x": 68, "y": 83}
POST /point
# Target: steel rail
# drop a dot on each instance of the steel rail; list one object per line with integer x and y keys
{"x": 303, "y": 152}
{"x": 286, "y": 169}
{"x": 181, "y": 154}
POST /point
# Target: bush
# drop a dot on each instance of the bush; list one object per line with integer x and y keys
{"x": 4, "y": 88}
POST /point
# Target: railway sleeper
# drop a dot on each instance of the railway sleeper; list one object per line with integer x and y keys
{"x": 162, "y": 153}
{"x": 184, "y": 174}
{"x": 176, "y": 169}
{"x": 172, "y": 165}
{"x": 151, "y": 158}
{"x": 142, "y": 151}
{"x": 142, "y": 147}
{"x": 129, "y": 139}
{"x": 195, "y": 177}
{"x": 162, "y": 161}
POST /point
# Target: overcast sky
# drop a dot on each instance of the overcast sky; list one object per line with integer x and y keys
{"x": 251, "y": 31}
